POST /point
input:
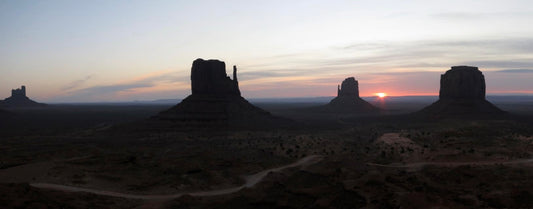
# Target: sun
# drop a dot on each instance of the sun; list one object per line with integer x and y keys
{"x": 381, "y": 95}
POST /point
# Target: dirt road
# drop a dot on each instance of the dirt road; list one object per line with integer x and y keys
{"x": 418, "y": 165}
{"x": 251, "y": 181}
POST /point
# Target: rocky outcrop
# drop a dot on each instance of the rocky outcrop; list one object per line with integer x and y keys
{"x": 209, "y": 77}
{"x": 348, "y": 88}
{"x": 462, "y": 92}
{"x": 215, "y": 99}
{"x": 462, "y": 82}
{"x": 348, "y": 99}
{"x": 18, "y": 99}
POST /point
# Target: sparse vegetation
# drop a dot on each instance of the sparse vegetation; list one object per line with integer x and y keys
{"x": 132, "y": 158}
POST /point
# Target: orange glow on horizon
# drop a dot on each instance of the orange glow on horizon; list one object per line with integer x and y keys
{"x": 398, "y": 94}
{"x": 381, "y": 95}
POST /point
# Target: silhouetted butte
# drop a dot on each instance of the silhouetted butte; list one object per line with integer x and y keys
{"x": 462, "y": 92}
{"x": 348, "y": 99}
{"x": 18, "y": 98}
{"x": 215, "y": 98}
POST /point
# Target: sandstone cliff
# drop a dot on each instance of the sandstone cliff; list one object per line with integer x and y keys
{"x": 216, "y": 99}
{"x": 462, "y": 82}
{"x": 462, "y": 92}
{"x": 348, "y": 99}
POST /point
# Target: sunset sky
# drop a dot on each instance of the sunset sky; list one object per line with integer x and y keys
{"x": 112, "y": 50}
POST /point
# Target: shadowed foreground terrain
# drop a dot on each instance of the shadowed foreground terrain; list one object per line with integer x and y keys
{"x": 386, "y": 160}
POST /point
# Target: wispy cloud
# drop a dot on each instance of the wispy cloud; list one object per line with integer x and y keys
{"x": 477, "y": 15}
{"x": 148, "y": 80}
{"x": 399, "y": 68}
{"x": 411, "y": 67}
{"x": 105, "y": 89}
{"x": 76, "y": 83}
{"x": 413, "y": 55}
{"x": 394, "y": 83}
{"x": 516, "y": 71}
{"x": 277, "y": 73}
{"x": 159, "y": 80}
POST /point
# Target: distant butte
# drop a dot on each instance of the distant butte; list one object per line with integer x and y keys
{"x": 348, "y": 99}
{"x": 215, "y": 99}
{"x": 462, "y": 92}
{"x": 18, "y": 99}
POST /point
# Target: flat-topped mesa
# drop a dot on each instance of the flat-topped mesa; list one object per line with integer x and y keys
{"x": 462, "y": 93}
{"x": 462, "y": 83}
{"x": 208, "y": 77}
{"x": 349, "y": 87}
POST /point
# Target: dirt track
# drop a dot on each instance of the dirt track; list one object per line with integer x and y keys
{"x": 418, "y": 165}
{"x": 251, "y": 181}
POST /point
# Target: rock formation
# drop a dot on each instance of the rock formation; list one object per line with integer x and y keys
{"x": 348, "y": 99}
{"x": 348, "y": 88}
{"x": 208, "y": 77}
{"x": 462, "y": 92}
{"x": 18, "y": 98}
{"x": 215, "y": 98}
{"x": 462, "y": 82}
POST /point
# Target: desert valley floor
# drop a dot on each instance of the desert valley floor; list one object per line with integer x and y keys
{"x": 112, "y": 156}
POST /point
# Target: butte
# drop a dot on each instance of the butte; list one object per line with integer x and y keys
{"x": 18, "y": 99}
{"x": 216, "y": 99}
{"x": 462, "y": 93}
{"x": 348, "y": 100}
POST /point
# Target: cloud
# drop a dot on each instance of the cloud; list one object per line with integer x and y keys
{"x": 449, "y": 48}
{"x": 275, "y": 73}
{"x": 138, "y": 85}
{"x": 76, "y": 83}
{"x": 400, "y": 68}
{"x": 409, "y": 67}
{"x": 477, "y": 15}
{"x": 414, "y": 55}
{"x": 394, "y": 83}
{"x": 501, "y": 63}
{"x": 515, "y": 71}
{"x": 148, "y": 80}
{"x": 261, "y": 74}
{"x": 364, "y": 46}
{"x": 104, "y": 89}
{"x": 163, "y": 76}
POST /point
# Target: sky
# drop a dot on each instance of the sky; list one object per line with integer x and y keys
{"x": 105, "y": 51}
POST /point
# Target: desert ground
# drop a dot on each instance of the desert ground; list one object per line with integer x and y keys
{"x": 105, "y": 156}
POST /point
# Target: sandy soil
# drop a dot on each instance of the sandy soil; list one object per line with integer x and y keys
{"x": 394, "y": 139}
